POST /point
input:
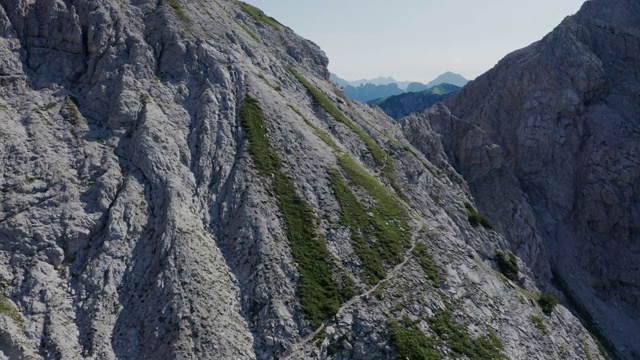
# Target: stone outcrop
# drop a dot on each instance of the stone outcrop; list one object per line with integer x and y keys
{"x": 548, "y": 141}
{"x": 136, "y": 221}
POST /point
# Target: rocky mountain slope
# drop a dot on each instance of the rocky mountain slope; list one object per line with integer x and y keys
{"x": 181, "y": 180}
{"x": 549, "y": 141}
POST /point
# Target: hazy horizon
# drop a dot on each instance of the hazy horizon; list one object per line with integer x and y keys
{"x": 417, "y": 40}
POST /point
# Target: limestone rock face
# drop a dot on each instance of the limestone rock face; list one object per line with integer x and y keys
{"x": 549, "y": 142}
{"x": 136, "y": 223}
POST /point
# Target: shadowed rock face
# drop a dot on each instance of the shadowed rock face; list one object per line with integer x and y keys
{"x": 135, "y": 223}
{"x": 549, "y": 142}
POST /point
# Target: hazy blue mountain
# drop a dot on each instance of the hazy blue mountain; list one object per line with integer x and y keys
{"x": 370, "y": 91}
{"x": 338, "y": 80}
{"x": 382, "y": 87}
{"x": 449, "y": 78}
{"x": 401, "y": 105}
{"x": 444, "y": 88}
{"x": 355, "y": 83}
{"x": 416, "y": 87}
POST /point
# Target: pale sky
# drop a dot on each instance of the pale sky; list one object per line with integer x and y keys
{"x": 418, "y": 39}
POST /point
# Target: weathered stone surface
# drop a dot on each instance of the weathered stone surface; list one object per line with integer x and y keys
{"x": 549, "y": 143}
{"x": 135, "y": 225}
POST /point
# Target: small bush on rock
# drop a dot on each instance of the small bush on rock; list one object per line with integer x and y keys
{"x": 508, "y": 265}
{"x": 547, "y": 302}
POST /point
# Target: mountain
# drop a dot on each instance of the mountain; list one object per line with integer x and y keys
{"x": 548, "y": 141}
{"x": 448, "y": 78}
{"x": 399, "y": 106}
{"x": 356, "y": 83}
{"x": 417, "y": 87}
{"x": 181, "y": 180}
{"x": 339, "y": 81}
{"x": 382, "y": 87}
{"x": 369, "y": 92}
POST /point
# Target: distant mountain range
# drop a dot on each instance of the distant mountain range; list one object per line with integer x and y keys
{"x": 366, "y": 90}
{"x": 401, "y": 105}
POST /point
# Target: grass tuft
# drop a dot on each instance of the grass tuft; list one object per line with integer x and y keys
{"x": 251, "y": 33}
{"x": 475, "y": 218}
{"x": 177, "y": 7}
{"x": 8, "y": 309}
{"x": 421, "y": 252}
{"x": 539, "y": 323}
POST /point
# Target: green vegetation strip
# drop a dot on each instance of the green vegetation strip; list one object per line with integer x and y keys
{"x": 320, "y": 295}
{"x": 411, "y": 343}
{"x": 379, "y": 155}
{"x": 379, "y": 231}
{"x": 259, "y": 15}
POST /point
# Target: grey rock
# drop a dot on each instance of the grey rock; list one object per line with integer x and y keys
{"x": 548, "y": 142}
{"x": 134, "y": 224}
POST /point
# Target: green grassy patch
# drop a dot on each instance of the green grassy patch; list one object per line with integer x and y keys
{"x": 475, "y": 218}
{"x": 508, "y": 265}
{"x": 320, "y": 295}
{"x": 455, "y": 337}
{"x": 259, "y": 15}
{"x": 539, "y": 323}
{"x": 8, "y": 309}
{"x": 411, "y": 343}
{"x": 421, "y": 253}
{"x": 73, "y": 115}
{"x": 177, "y": 7}
{"x": 380, "y": 230}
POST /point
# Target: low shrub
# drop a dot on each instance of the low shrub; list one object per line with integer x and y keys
{"x": 508, "y": 265}
{"x": 547, "y": 302}
{"x": 455, "y": 336}
{"x": 475, "y": 218}
{"x": 425, "y": 260}
{"x": 411, "y": 343}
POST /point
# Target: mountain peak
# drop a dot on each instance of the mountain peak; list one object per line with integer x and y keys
{"x": 448, "y": 78}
